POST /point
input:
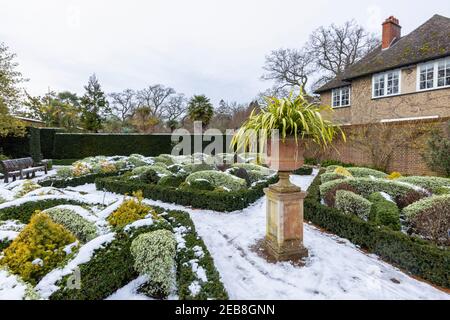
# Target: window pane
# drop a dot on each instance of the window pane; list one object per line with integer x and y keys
{"x": 345, "y": 96}
{"x": 427, "y": 76}
{"x": 336, "y": 98}
{"x": 392, "y": 83}
{"x": 380, "y": 81}
{"x": 443, "y": 73}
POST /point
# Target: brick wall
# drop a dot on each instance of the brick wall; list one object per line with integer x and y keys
{"x": 405, "y": 159}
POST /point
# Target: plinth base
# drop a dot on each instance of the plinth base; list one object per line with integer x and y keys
{"x": 284, "y": 227}
{"x": 289, "y": 251}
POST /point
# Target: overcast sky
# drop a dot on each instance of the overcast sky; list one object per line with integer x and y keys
{"x": 207, "y": 47}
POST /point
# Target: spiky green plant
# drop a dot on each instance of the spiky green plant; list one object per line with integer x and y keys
{"x": 293, "y": 116}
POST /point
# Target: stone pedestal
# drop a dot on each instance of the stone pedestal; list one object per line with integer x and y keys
{"x": 284, "y": 229}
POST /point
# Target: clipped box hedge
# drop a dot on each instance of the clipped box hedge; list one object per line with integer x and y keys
{"x": 76, "y": 181}
{"x": 201, "y": 199}
{"x": 112, "y": 266}
{"x": 24, "y": 211}
{"x": 415, "y": 255}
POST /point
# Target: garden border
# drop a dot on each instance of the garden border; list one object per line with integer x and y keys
{"x": 117, "y": 252}
{"x": 77, "y": 181}
{"x": 415, "y": 255}
{"x": 201, "y": 199}
{"x": 25, "y": 210}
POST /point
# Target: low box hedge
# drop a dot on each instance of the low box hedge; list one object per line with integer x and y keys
{"x": 303, "y": 171}
{"x": 24, "y": 211}
{"x": 201, "y": 199}
{"x": 112, "y": 266}
{"x": 77, "y": 181}
{"x": 412, "y": 254}
{"x": 63, "y": 162}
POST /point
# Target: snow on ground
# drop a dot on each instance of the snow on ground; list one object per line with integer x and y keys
{"x": 11, "y": 288}
{"x": 130, "y": 291}
{"x": 335, "y": 268}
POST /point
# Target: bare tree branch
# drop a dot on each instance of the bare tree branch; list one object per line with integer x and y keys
{"x": 123, "y": 103}
{"x": 154, "y": 97}
{"x": 337, "y": 47}
{"x": 175, "y": 107}
{"x": 288, "y": 67}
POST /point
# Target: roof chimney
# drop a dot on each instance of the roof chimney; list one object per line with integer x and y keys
{"x": 391, "y": 32}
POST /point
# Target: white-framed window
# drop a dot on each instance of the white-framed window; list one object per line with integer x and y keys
{"x": 386, "y": 84}
{"x": 433, "y": 74}
{"x": 340, "y": 97}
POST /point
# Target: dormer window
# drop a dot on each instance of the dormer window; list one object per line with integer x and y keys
{"x": 386, "y": 84}
{"x": 340, "y": 97}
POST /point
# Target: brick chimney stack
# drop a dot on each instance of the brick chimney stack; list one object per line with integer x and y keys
{"x": 391, "y": 32}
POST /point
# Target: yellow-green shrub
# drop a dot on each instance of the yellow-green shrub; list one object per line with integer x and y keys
{"x": 342, "y": 171}
{"x": 38, "y": 248}
{"x": 394, "y": 175}
{"x": 27, "y": 186}
{"x": 131, "y": 210}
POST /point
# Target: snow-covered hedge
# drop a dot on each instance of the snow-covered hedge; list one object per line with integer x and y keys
{"x": 351, "y": 203}
{"x": 419, "y": 257}
{"x": 195, "y": 167}
{"x": 24, "y": 208}
{"x": 100, "y": 165}
{"x": 218, "y": 179}
{"x": 331, "y": 176}
{"x": 366, "y": 172}
{"x": 202, "y": 199}
{"x": 106, "y": 263}
{"x": 436, "y": 185}
{"x": 154, "y": 254}
{"x": 430, "y": 218}
{"x": 367, "y": 186}
{"x": 254, "y": 167}
{"x": 425, "y": 204}
{"x": 69, "y": 217}
{"x": 26, "y": 187}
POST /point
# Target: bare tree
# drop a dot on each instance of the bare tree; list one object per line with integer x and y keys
{"x": 272, "y": 92}
{"x": 155, "y": 97}
{"x": 175, "y": 107}
{"x": 337, "y": 47}
{"x": 124, "y": 103}
{"x": 288, "y": 67}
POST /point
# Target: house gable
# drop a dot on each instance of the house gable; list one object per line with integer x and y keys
{"x": 395, "y": 82}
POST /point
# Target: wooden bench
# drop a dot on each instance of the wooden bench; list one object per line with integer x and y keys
{"x": 23, "y": 167}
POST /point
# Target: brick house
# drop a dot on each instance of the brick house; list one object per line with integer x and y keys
{"x": 404, "y": 78}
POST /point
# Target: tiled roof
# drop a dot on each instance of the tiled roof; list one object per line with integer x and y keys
{"x": 429, "y": 41}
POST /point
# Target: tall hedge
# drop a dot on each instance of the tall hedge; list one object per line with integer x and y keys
{"x": 35, "y": 144}
{"x": 47, "y": 136}
{"x": 16, "y": 147}
{"x": 81, "y": 145}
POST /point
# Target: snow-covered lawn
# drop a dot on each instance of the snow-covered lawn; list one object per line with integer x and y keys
{"x": 335, "y": 268}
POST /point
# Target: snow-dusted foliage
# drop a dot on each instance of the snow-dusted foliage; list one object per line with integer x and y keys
{"x": 82, "y": 228}
{"x": 154, "y": 253}
{"x": 351, "y": 203}
{"x": 218, "y": 179}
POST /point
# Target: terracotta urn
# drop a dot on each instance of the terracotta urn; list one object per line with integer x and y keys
{"x": 289, "y": 156}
